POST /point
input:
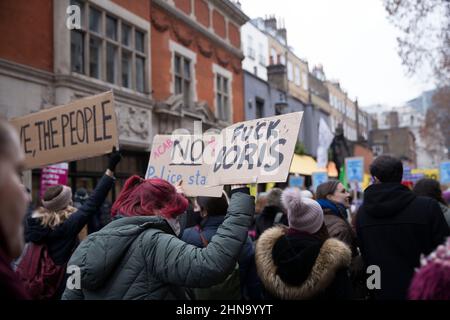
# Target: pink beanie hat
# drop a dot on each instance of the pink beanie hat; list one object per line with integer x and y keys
{"x": 304, "y": 214}
{"x": 432, "y": 280}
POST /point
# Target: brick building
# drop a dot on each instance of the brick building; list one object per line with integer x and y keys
{"x": 169, "y": 63}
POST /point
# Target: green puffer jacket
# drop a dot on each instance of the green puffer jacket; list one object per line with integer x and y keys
{"x": 141, "y": 258}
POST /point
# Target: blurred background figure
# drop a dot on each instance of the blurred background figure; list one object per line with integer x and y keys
{"x": 261, "y": 202}
{"x": 272, "y": 213}
{"x": 335, "y": 200}
{"x": 98, "y": 221}
{"x": 212, "y": 212}
{"x": 432, "y": 189}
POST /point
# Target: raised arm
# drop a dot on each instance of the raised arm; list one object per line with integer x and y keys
{"x": 176, "y": 262}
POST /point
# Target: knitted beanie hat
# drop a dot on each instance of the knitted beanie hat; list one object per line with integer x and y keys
{"x": 304, "y": 214}
{"x": 432, "y": 280}
{"x": 61, "y": 201}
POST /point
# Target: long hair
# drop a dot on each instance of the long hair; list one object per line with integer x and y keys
{"x": 52, "y": 219}
{"x": 429, "y": 188}
{"x": 149, "y": 197}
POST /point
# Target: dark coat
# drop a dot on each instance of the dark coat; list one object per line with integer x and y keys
{"x": 141, "y": 258}
{"x": 11, "y": 287}
{"x": 248, "y": 278}
{"x": 265, "y": 219}
{"x": 62, "y": 240}
{"x": 394, "y": 227}
{"x": 295, "y": 266}
{"x": 335, "y": 218}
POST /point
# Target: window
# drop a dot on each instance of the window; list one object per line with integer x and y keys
{"x": 95, "y": 53}
{"x": 126, "y": 35}
{"x": 111, "y": 28}
{"x": 261, "y": 56}
{"x": 109, "y": 49}
{"x": 95, "y": 17}
{"x": 305, "y": 80}
{"x": 259, "y": 112}
{"x": 183, "y": 78}
{"x": 273, "y": 56}
{"x": 223, "y": 99}
{"x": 77, "y": 50}
{"x": 297, "y": 76}
{"x": 290, "y": 71}
{"x": 126, "y": 69}
{"x": 282, "y": 59}
{"x": 250, "y": 50}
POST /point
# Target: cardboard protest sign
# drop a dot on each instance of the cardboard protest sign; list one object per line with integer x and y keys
{"x": 182, "y": 157}
{"x": 53, "y": 175}
{"x": 354, "y": 169}
{"x": 444, "y": 169}
{"x": 256, "y": 151}
{"x": 80, "y": 129}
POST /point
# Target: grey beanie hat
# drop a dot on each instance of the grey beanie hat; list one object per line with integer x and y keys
{"x": 61, "y": 201}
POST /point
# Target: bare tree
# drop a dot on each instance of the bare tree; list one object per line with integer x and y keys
{"x": 424, "y": 47}
{"x": 424, "y": 41}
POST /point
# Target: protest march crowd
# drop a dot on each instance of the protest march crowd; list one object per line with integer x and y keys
{"x": 160, "y": 244}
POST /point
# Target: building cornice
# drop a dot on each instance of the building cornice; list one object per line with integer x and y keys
{"x": 198, "y": 27}
{"x": 90, "y": 86}
{"x": 24, "y": 72}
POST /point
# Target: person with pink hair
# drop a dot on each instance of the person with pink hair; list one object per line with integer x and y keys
{"x": 432, "y": 280}
{"x": 139, "y": 255}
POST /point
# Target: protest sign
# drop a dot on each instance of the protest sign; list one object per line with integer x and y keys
{"x": 256, "y": 151}
{"x": 296, "y": 182}
{"x": 81, "y": 129}
{"x": 53, "y": 175}
{"x": 427, "y": 173}
{"x": 444, "y": 172}
{"x": 181, "y": 157}
{"x": 318, "y": 178}
{"x": 354, "y": 169}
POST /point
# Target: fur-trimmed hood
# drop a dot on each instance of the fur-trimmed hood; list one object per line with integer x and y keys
{"x": 331, "y": 257}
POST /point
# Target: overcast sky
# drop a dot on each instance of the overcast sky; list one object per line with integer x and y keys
{"x": 352, "y": 39}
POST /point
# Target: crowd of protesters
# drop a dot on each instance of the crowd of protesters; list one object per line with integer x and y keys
{"x": 159, "y": 244}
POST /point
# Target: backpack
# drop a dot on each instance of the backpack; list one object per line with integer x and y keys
{"x": 41, "y": 277}
{"x": 229, "y": 289}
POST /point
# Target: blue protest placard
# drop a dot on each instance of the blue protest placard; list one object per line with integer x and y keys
{"x": 444, "y": 172}
{"x": 354, "y": 169}
{"x": 296, "y": 181}
{"x": 318, "y": 178}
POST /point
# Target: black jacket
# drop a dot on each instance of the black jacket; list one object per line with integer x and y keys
{"x": 394, "y": 228}
{"x": 265, "y": 219}
{"x": 62, "y": 240}
{"x": 298, "y": 266}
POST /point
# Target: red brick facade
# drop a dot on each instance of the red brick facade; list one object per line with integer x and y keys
{"x": 202, "y": 12}
{"x": 184, "y": 5}
{"x": 219, "y": 24}
{"x": 234, "y": 35}
{"x": 166, "y": 27}
{"x": 26, "y": 29}
{"x": 27, "y": 38}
